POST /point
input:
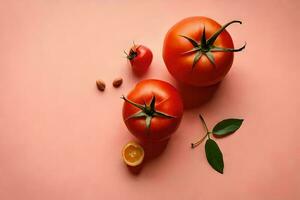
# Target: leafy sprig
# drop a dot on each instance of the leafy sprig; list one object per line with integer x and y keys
{"x": 213, "y": 153}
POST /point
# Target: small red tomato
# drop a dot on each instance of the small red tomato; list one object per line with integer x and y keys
{"x": 140, "y": 58}
{"x": 152, "y": 111}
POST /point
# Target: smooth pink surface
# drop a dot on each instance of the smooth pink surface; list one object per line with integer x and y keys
{"x": 60, "y": 138}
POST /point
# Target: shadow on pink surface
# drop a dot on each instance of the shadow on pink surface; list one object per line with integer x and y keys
{"x": 196, "y": 96}
{"x": 192, "y": 97}
{"x": 152, "y": 151}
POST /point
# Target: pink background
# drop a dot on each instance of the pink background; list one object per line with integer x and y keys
{"x": 60, "y": 138}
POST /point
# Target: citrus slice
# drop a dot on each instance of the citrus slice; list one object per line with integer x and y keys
{"x": 133, "y": 154}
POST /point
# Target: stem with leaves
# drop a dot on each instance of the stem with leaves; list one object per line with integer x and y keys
{"x": 213, "y": 153}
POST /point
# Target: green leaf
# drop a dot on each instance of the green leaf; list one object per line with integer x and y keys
{"x": 132, "y": 103}
{"x": 148, "y": 121}
{"x": 203, "y": 38}
{"x": 137, "y": 115}
{"x": 193, "y": 50}
{"x": 152, "y": 103}
{"x": 192, "y": 41}
{"x": 214, "y": 155}
{"x": 227, "y": 126}
{"x": 196, "y": 58}
{"x": 211, "y": 58}
{"x": 161, "y": 114}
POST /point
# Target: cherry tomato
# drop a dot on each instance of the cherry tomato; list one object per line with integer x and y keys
{"x": 198, "y": 51}
{"x": 152, "y": 111}
{"x": 140, "y": 58}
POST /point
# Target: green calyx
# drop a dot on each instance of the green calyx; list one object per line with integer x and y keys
{"x": 131, "y": 55}
{"x": 146, "y": 111}
{"x": 133, "y": 52}
{"x": 206, "y": 46}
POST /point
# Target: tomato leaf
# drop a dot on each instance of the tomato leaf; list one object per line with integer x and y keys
{"x": 227, "y": 126}
{"x": 196, "y": 58}
{"x": 214, "y": 155}
{"x": 161, "y": 114}
{"x": 148, "y": 121}
{"x": 193, "y": 50}
{"x": 192, "y": 41}
{"x": 132, "y": 103}
{"x": 152, "y": 103}
{"x": 137, "y": 115}
{"x": 203, "y": 38}
{"x": 211, "y": 58}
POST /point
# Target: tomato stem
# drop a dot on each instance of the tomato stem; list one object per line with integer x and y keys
{"x": 213, "y": 38}
{"x": 204, "y": 123}
{"x": 195, "y": 144}
{"x": 132, "y": 52}
{"x": 146, "y": 111}
{"x": 206, "y": 46}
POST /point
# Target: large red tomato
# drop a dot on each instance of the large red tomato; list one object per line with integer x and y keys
{"x": 198, "y": 51}
{"x": 153, "y": 110}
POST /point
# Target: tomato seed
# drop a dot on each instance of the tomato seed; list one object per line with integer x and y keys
{"x": 100, "y": 85}
{"x": 117, "y": 82}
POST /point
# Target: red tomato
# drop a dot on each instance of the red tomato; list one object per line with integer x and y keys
{"x": 140, "y": 58}
{"x": 153, "y": 110}
{"x": 198, "y": 51}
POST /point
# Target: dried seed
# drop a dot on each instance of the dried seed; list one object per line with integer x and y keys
{"x": 117, "y": 82}
{"x": 100, "y": 85}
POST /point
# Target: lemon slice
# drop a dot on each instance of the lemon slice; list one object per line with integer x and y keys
{"x": 133, "y": 154}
